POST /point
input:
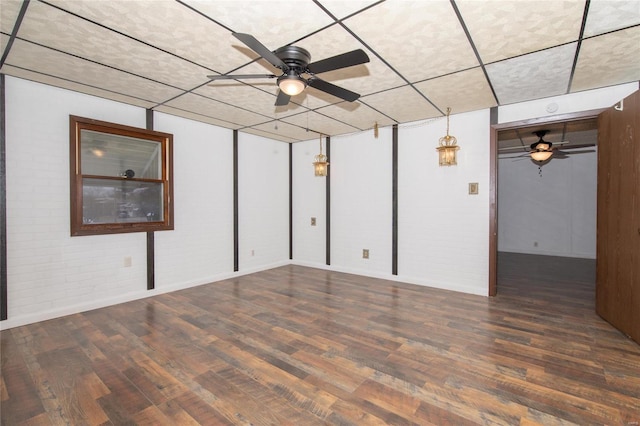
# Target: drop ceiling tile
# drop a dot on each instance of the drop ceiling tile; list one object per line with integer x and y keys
{"x": 4, "y": 40}
{"x": 60, "y": 30}
{"x": 268, "y": 21}
{"x": 196, "y": 116}
{"x": 233, "y": 115}
{"x": 462, "y": 91}
{"x": 403, "y": 104}
{"x": 343, "y": 8}
{"x": 607, "y": 60}
{"x": 167, "y": 25}
{"x": 607, "y": 15}
{"x": 9, "y": 11}
{"x": 503, "y": 29}
{"x": 76, "y": 87}
{"x": 271, "y": 135}
{"x": 319, "y": 123}
{"x": 356, "y": 114}
{"x": 284, "y": 130}
{"x": 237, "y": 93}
{"x": 261, "y": 100}
{"x": 56, "y": 64}
{"x": 534, "y": 76}
{"x": 420, "y": 39}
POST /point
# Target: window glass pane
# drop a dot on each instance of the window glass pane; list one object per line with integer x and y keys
{"x": 107, "y": 154}
{"x": 121, "y": 201}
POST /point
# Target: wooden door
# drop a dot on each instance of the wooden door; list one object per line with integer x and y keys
{"x": 618, "y": 223}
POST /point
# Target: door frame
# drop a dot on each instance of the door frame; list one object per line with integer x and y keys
{"x": 493, "y": 178}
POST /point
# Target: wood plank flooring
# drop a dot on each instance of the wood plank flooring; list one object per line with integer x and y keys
{"x": 302, "y": 346}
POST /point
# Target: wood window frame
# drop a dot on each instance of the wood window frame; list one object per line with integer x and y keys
{"x": 80, "y": 226}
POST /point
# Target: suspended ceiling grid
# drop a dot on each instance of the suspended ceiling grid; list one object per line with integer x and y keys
{"x": 425, "y": 55}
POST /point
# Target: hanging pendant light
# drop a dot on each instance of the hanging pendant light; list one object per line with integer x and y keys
{"x": 447, "y": 149}
{"x": 320, "y": 164}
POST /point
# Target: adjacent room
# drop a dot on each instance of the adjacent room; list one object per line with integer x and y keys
{"x": 320, "y": 212}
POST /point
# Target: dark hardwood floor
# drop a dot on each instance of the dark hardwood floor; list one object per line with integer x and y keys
{"x": 301, "y": 346}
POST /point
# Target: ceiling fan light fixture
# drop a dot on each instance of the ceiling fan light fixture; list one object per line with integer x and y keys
{"x": 541, "y": 156}
{"x": 541, "y": 151}
{"x": 291, "y": 84}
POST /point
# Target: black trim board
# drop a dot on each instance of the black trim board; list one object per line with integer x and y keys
{"x": 151, "y": 256}
{"x": 394, "y": 219}
{"x": 290, "y": 201}
{"x": 328, "y": 205}
{"x": 236, "y": 243}
{"x": 3, "y": 205}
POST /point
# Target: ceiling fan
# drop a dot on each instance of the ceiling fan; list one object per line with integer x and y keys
{"x": 294, "y": 61}
{"x": 542, "y": 150}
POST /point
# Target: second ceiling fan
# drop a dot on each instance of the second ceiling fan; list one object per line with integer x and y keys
{"x": 294, "y": 63}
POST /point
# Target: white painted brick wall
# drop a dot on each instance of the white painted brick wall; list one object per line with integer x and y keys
{"x": 49, "y": 273}
{"x": 443, "y": 232}
{"x": 309, "y": 200}
{"x": 263, "y": 186}
{"x": 361, "y": 202}
{"x": 556, "y": 210}
{"x": 200, "y": 249}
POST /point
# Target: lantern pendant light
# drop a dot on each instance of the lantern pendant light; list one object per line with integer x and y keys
{"x": 447, "y": 149}
{"x": 320, "y": 164}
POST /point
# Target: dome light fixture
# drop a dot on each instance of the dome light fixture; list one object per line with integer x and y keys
{"x": 291, "y": 83}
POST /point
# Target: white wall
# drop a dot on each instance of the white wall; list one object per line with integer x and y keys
{"x": 200, "y": 249}
{"x": 308, "y": 201}
{"x": 263, "y": 203}
{"x": 51, "y": 274}
{"x": 443, "y": 232}
{"x": 361, "y": 203}
{"x": 551, "y": 211}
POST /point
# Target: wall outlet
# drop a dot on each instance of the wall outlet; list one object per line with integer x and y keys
{"x": 535, "y": 244}
{"x": 127, "y": 262}
{"x": 253, "y": 252}
{"x": 313, "y": 221}
{"x": 365, "y": 253}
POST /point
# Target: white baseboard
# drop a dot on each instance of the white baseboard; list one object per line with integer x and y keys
{"x": 400, "y": 278}
{"x": 18, "y": 320}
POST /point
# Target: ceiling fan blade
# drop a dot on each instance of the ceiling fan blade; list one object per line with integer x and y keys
{"x": 568, "y": 153}
{"x": 282, "y": 99}
{"x": 239, "y": 76}
{"x": 261, "y": 50}
{"x": 514, "y": 148}
{"x": 576, "y": 146}
{"x": 332, "y": 89}
{"x": 349, "y": 59}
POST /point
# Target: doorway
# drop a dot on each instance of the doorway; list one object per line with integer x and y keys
{"x": 549, "y": 207}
